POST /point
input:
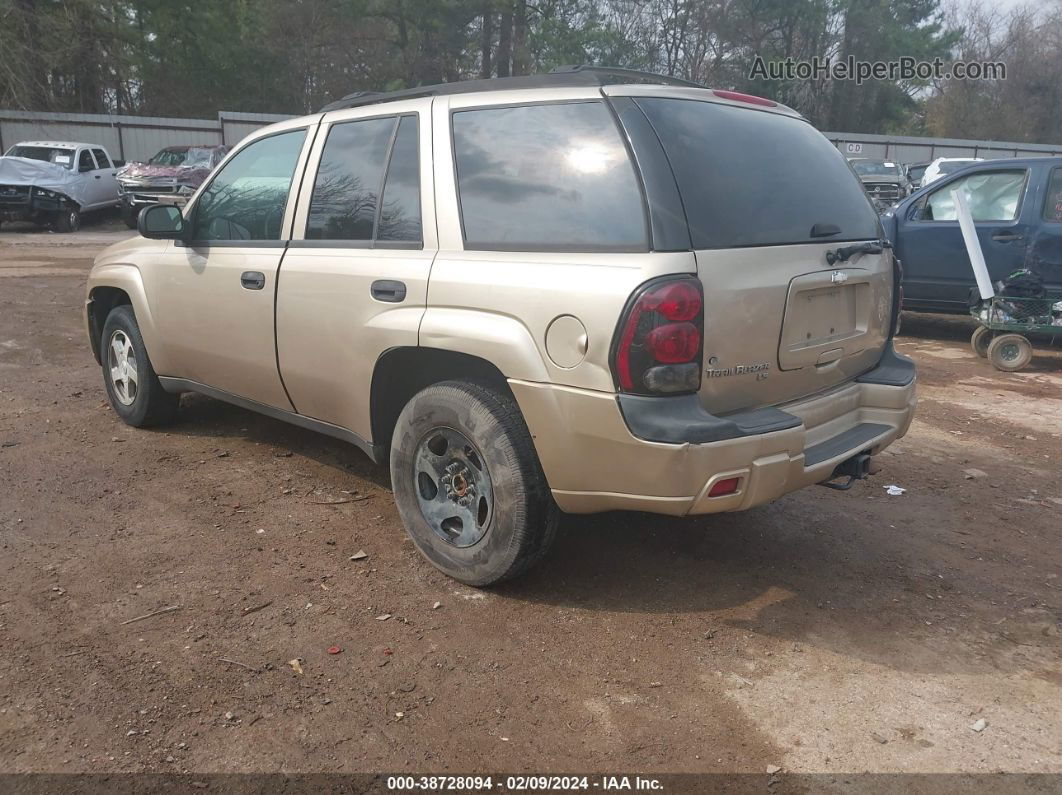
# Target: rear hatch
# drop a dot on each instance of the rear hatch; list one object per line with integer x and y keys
{"x": 766, "y": 197}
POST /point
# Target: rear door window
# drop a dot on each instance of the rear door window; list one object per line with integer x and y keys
{"x": 101, "y": 158}
{"x": 347, "y": 186}
{"x": 991, "y": 196}
{"x": 546, "y": 177}
{"x": 754, "y": 178}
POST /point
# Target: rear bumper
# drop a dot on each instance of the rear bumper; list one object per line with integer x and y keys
{"x": 594, "y": 462}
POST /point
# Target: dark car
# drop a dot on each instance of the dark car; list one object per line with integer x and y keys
{"x": 172, "y": 175}
{"x": 1017, "y": 210}
{"x": 883, "y": 180}
{"x": 915, "y": 171}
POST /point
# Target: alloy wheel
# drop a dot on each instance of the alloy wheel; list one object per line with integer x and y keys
{"x": 121, "y": 363}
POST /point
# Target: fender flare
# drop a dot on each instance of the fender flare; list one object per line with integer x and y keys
{"x": 127, "y": 278}
{"x": 499, "y": 339}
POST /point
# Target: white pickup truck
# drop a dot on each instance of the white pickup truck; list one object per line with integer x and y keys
{"x": 54, "y": 182}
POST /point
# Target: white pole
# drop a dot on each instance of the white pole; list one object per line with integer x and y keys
{"x": 973, "y": 245}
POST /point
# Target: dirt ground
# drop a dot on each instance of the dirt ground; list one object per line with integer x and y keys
{"x": 826, "y": 632}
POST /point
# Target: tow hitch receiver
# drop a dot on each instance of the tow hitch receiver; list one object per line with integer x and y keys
{"x": 855, "y": 468}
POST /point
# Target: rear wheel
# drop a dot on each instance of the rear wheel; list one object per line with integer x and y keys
{"x": 468, "y": 483}
{"x": 980, "y": 340}
{"x": 133, "y": 389}
{"x": 68, "y": 220}
{"x": 1010, "y": 352}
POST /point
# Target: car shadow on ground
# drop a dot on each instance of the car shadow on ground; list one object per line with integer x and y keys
{"x": 800, "y": 570}
{"x": 814, "y": 567}
{"x": 207, "y": 418}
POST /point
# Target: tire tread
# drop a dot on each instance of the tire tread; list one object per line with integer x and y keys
{"x": 161, "y": 407}
{"x": 534, "y": 518}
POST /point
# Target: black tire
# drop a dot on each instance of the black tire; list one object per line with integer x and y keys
{"x": 980, "y": 340}
{"x": 523, "y": 518}
{"x": 1010, "y": 352}
{"x": 150, "y": 404}
{"x": 129, "y": 215}
{"x": 68, "y": 220}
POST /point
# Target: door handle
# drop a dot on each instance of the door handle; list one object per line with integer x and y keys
{"x": 98, "y": 176}
{"x": 388, "y": 290}
{"x": 252, "y": 280}
{"x": 1004, "y": 237}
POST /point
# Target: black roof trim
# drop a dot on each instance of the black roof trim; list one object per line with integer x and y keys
{"x": 561, "y": 77}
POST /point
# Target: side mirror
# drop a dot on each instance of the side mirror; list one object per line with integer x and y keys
{"x": 160, "y": 222}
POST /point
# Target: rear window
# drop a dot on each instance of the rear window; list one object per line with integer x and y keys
{"x": 546, "y": 177}
{"x": 751, "y": 178}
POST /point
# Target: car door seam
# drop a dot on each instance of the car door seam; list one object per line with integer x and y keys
{"x": 280, "y": 263}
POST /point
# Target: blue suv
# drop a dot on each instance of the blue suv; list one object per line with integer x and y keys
{"x": 1017, "y": 209}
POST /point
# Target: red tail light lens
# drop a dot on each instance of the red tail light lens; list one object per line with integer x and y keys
{"x": 679, "y": 301}
{"x": 674, "y": 343}
{"x": 658, "y": 343}
{"x": 723, "y": 487}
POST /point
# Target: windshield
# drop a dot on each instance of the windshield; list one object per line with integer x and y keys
{"x": 170, "y": 157}
{"x": 750, "y": 178}
{"x": 49, "y": 154}
{"x": 871, "y": 168}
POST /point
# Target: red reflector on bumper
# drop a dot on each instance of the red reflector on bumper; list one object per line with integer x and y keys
{"x": 723, "y": 487}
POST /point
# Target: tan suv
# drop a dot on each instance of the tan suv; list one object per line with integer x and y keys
{"x": 577, "y": 292}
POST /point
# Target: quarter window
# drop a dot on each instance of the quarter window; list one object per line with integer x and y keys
{"x": 992, "y": 196}
{"x": 246, "y": 200}
{"x": 1053, "y": 201}
{"x": 551, "y": 176}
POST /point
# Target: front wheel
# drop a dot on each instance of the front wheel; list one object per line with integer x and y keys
{"x": 1010, "y": 352}
{"x": 68, "y": 220}
{"x": 133, "y": 389}
{"x": 468, "y": 484}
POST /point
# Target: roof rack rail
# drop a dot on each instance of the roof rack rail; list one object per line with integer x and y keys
{"x": 582, "y": 75}
{"x": 626, "y": 75}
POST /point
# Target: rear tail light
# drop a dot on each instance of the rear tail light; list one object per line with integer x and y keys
{"x": 659, "y": 341}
